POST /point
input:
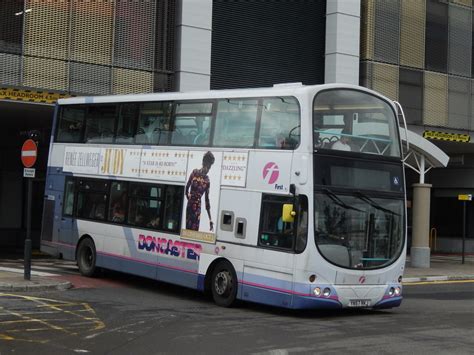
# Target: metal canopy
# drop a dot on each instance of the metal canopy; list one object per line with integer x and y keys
{"x": 421, "y": 155}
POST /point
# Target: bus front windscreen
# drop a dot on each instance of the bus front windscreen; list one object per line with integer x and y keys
{"x": 354, "y": 121}
{"x": 358, "y": 231}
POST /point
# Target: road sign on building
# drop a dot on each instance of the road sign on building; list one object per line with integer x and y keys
{"x": 29, "y": 152}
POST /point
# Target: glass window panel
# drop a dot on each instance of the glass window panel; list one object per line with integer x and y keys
{"x": 235, "y": 123}
{"x": 350, "y": 120}
{"x": 118, "y": 202}
{"x": 358, "y": 232}
{"x": 191, "y": 130}
{"x": 145, "y": 206}
{"x": 194, "y": 107}
{"x": 173, "y": 208}
{"x": 91, "y": 205}
{"x": 71, "y": 123}
{"x": 280, "y": 123}
{"x": 69, "y": 198}
{"x": 127, "y": 123}
{"x": 154, "y": 123}
{"x": 273, "y": 231}
{"x": 100, "y": 124}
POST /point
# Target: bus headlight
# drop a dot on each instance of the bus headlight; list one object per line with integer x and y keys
{"x": 394, "y": 291}
{"x": 327, "y": 292}
{"x": 317, "y": 291}
{"x": 398, "y": 291}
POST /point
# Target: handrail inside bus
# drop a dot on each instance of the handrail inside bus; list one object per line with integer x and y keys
{"x": 399, "y": 107}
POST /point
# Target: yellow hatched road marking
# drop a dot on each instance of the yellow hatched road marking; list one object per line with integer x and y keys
{"x": 83, "y": 314}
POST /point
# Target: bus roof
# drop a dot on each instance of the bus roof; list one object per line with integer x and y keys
{"x": 289, "y": 89}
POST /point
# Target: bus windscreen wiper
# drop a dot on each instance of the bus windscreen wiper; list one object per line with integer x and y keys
{"x": 371, "y": 202}
{"x": 339, "y": 202}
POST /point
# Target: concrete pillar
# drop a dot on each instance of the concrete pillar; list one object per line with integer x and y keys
{"x": 420, "y": 246}
{"x": 342, "y": 41}
{"x": 193, "y": 55}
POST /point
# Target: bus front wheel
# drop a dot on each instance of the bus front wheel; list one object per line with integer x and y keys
{"x": 86, "y": 258}
{"x": 224, "y": 284}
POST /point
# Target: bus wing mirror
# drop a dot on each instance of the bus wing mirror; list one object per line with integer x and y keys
{"x": 288, "y": 214}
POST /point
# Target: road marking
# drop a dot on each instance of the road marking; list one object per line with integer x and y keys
{"x": 438, "y": 282}
{"x": 52, "y": 316}
{"x": 21, "y": 271}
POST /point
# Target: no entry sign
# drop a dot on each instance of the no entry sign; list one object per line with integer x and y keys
{"x": 29, "y": 152}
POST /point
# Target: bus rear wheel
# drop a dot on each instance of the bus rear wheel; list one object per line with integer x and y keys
{"x": 86, "y": 258}
{"x": 224, "y": 284}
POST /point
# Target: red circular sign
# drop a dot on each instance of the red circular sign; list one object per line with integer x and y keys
{"x": 29, "y": 152}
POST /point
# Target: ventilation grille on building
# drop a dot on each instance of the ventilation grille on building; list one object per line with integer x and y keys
{"x": 9, "y": 69}
{"x": 75, "y": 45}
{"x": 287, "y": 45}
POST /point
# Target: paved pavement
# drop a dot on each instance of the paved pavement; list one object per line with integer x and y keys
{"x": 442, "y": 268}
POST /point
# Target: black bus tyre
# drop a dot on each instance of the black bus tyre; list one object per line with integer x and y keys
{"x": 86, "y": 258}
{"x": 224, "y": 284}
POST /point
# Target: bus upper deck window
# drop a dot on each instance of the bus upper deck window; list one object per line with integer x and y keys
{"x": 71, "y": 124}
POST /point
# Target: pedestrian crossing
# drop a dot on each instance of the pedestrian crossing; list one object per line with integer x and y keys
{"x": 49, "y": 266}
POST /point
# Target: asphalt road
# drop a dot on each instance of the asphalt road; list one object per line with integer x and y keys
{"x": 120, "y": 314}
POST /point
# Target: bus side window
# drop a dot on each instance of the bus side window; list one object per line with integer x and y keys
{"x": 302, "y": 224}
{"x": 273, "y": 231}
{"x": 68, "y": 204}
{"x": 192, "y": 122}
{"x": 173, "y": 207}
{"x": 280, "y": 122}
{"x": 236, "y": 123}
{"x": 71, "y": 124}
{"x": 154, "y": 123}
{"x": 127, "y": 123}
{"x": 118, "y": 202}
{"x": 100, "y": 123}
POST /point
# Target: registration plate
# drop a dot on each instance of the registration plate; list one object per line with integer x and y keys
{"x": 359, "y": 303}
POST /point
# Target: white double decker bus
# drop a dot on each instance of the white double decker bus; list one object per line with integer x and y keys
{"x": 292, "y": 196}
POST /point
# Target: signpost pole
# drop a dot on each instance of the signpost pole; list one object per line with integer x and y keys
{"x": 464, "y": 199}
{"x": 27, "y": 257}
{"x": 29, "y": 152}
{"x": 463, "y": 229}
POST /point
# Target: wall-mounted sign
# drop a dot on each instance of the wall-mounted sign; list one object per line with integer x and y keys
{"x": 44, "y": 97}
{"x": 465, "y": 197}
{"x": 444, "y": 136}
